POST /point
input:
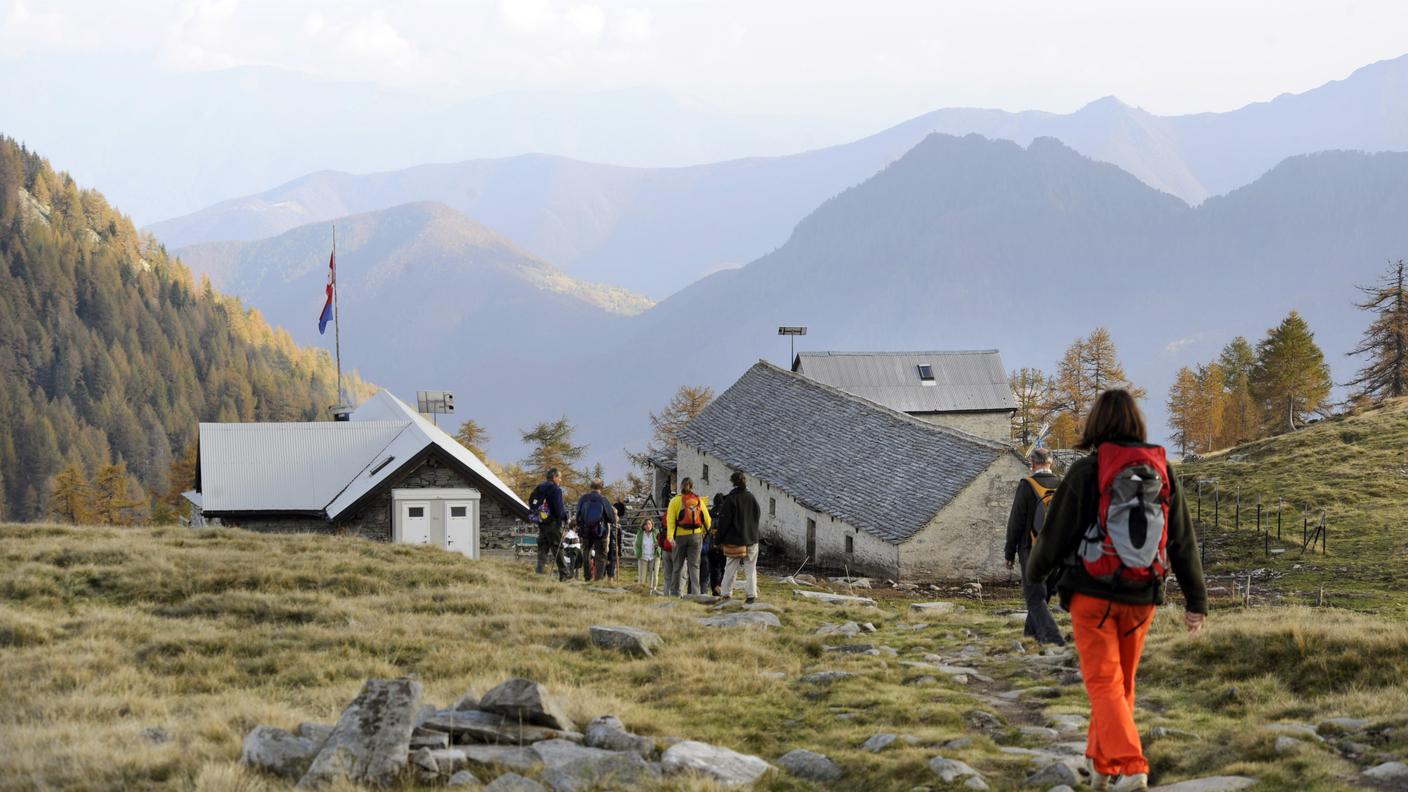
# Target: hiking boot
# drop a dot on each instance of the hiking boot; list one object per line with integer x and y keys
{"x": 1130, "y": 783}
{"x": 1098, "y": 780}
{"x": 750, "y": 600}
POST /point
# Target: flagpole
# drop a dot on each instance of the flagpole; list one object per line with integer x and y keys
{"x": 337, "y": 318}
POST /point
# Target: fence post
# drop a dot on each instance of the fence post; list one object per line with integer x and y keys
{"x": 1324, "y": 534}
{"x": 1216, "y": 506}
{"x": 1237, "y": 516}
{"x": 1258, "y": 514}
{"x": 1280, "y": 505}
{"x": 1200, "y": 501}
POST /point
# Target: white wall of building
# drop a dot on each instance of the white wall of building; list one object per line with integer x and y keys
{"x": 966, "y": 539}
{"x": 784, "y": 521}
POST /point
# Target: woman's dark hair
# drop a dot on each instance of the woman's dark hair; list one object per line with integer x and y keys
{"x": 1115, "y": 416}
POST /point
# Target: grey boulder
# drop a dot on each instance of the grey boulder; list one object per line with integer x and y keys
{"x": 1051, "y": 775}
{"x": 1211, "y": 784}
{"x": 728, "y": 768}
{"x": 494, "y": 728}
{"x": 317, "y": 732}
{"x": 950, "y": 770}
{"x": 743, "y": 619}
{"x": 833, "y": 599}
{"x": 879, "y": 742}
{"x": 849, "y": 628}
{"x": 513, "y": 757}
{"x": 463, "y": 778}
{"x": 371, "y": 741}
{"x": 611, "y": 771}
{"x": 513, "y": 782}
{"x": 608, "y": 733}
{"x": 527, "y": 701}
{"x": 825, "y": 677}
{"x": 277, "y": 752}
{"x": 937, "y": 608}
{"x": 810, "y": 765}
{"x": 1388, "y": 771}
{"x": 631, "y": 640}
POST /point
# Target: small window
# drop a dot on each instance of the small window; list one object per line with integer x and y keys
{"x": 926, "y": 372}
{"x": 461, "y": 511}
{"x": 850, "y": 545}
{"x": 772, "y": 507}
{"x": 415, "y": 511}
{"x": 705, "y": 476}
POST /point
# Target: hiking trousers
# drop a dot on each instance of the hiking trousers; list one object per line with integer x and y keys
{"x": 1110, "y": 639}
{"x": 1040, "y": 624}
{"x": 648, "y": 573}
{"x": 750, "y": 571}
{"x": 672, "y": 578}
{"x": 550, "y": 546}
{"x": 687, "y": 547}
{"x": 595, "y": 547}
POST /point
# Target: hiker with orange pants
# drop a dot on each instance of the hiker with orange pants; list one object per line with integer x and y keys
{"x": 1117, "y": 525}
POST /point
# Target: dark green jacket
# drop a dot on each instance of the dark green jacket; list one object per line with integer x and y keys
{"x": 1074, "y": 507}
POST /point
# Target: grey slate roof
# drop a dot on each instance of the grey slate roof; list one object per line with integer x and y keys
{"x": 878, "y": 469}
{"x": 964, "y": 381}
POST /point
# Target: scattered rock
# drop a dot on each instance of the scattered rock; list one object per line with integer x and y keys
{"x": 1285, "y": 744}
{"x": 702, "y": 599}
{"x": 514, "y": 757}
{"x": 936, "y": 608}
{"x": 958, "y": 744}
{"x": 429, "y": 738}
{"x": 277, "y": 752}
{"x": 557, "y": 753}
{"x": 1040, "y": 732}
{"x": 745, "y": 619}
{"x": 848, "y": 629}
{"x": 879, "y": 742}
{"x": 469, "y": 701}
{"x": 422, "y": 760}
{"x": 631, "y": 640}
{"x": 985, "y": 721}
{"x": 1051, "y": 775}
{"x": 1017, "y": 647}
{"x": 493, "y": 728}
{"x": 950, "y": 770}
{"x": 449, "y": 760}
{"x": 317, "y": 732}
{"x": 1168, "y": 733}
{"x": 608, "y": 770}
{"x": 920, "y": 680}
{"x": 513, "y": 782}
{"x": 527, "y": 701}
{"x": 833, "y": 599}
{"x": 371, "y": 741}
{"x": 853, "y": 649}
{"x": 1342, "y": 726}
{"x": 154, "y": 734}
{"x": 608, "y": 733}
{"x": 1211, "y": 784}
{"x": 825, "y": 677}
{"x": 810, "y": 765}
{"x": 1020, "y": 617}
{"x": 867, "y": 627}
{"x": 729, "y": 768}
{"x": 1291, "y": 729}
{"x": 1388, "y": 771}
{"x": 763, "y": 607}
{"x": 463, "y": 778}
{"x": 975, "y": 782}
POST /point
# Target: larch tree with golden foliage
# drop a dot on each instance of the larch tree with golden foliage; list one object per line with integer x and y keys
{"x": 1240, "y": 416}
{"x": 71, "y": 500}
{"x": 117, "y": 499}
{"x": 1090, "y": 366}
{"x": 550, "y": 446}
{"x": 473, "y": 437}
{"x": 1031, "y": 391}
{"x": 686, "y": 405}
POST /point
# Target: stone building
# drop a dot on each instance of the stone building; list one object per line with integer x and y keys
{"x": 386, "y": 474}
{"x": 965, "y": 390}
{"x": 851, "y": 484}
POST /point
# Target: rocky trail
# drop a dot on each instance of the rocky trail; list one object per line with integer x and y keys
{"x": 1025, "y": 700}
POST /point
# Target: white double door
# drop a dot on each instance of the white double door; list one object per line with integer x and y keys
{"x": 447, "y": 519}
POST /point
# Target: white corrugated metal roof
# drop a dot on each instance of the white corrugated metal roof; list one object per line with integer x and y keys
{"x": 417, "y": 435}
{"x": 285, "y": 466}
{"x": 321, "y": 466}
{"x": 964, "y": 381}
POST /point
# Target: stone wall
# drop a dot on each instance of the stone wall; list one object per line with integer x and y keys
{"x": 784, "y": 523}
{"x": 965, "y": 541}
{"x": 991, "y": 425}
{"x": 373, "y": 521}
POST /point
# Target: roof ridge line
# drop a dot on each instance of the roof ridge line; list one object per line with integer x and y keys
{"x": 958, "y": 434}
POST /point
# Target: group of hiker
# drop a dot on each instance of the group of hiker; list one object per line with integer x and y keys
{"x": 1103, "y": 539}
{"x": 700, "y": 547}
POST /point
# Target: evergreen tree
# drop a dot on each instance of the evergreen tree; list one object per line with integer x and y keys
{"x": 1239, "y": 416}
{"x": 473, "y": 437}
{"x": 114, "y": 502}
{"x": 1290, "y": 379}
{"x": 550, "y": 444}
{"x": 1386, "y": 340}
{"x": 72, "y": 499}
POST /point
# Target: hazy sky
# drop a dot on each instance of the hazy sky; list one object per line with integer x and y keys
{"x": 883, "y": 60}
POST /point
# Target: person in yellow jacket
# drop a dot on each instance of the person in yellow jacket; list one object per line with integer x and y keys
{"x": 686, "y": 521}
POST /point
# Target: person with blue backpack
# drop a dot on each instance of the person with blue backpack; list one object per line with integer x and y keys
{"x": 596, "y": 518}
{"x": 1029, "y": 506}
{"x": 549, "y": 513}
{"x": 1117, "y": 526}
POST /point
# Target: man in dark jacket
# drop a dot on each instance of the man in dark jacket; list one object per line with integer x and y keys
{"x": 738, "y": 528}
{"x": 1027, "y": 509}
{"x": 550, "y": 530}
{"x": 596, "y": 520}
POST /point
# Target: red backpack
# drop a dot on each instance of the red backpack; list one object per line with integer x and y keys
{"x": 1127, "y": 544}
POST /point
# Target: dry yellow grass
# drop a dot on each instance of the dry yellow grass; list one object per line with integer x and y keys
{"x": 107, "y": 632}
